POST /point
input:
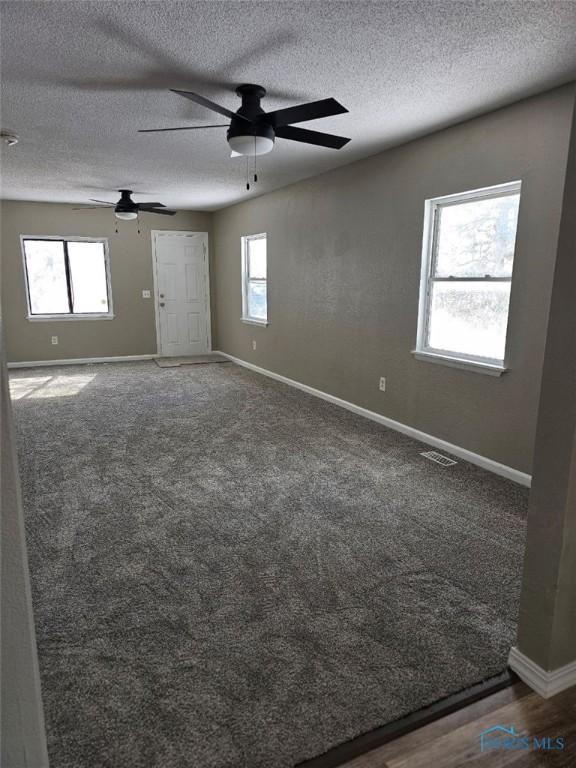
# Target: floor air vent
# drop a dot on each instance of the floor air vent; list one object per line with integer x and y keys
{"x": 438, "y": 458}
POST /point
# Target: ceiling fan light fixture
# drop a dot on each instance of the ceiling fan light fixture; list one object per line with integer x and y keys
{"x": 126, "y": 215}
{"x": 251, "y": 145}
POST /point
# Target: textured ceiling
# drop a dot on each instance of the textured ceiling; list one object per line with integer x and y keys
{"x": 79, "y": 79}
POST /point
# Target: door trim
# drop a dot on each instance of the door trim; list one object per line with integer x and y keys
{"x": 155, "y": 233}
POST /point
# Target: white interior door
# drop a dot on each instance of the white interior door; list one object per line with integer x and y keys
{"x": 182, "y": 293}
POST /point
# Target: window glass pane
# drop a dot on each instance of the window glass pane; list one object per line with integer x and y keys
{"x": 257, "y": 305}
{"x": 469, "y": 318}
{"x": 46, "y": 277}
{"x": 88, "y": 275}
{"x": 476, "y": 238}
{"x": 257, "y": 258}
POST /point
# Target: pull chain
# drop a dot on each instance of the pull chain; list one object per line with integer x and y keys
{"x": 255, "y": 176}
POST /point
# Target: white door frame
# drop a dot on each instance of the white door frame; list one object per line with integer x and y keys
{"x": 155, "y": 233}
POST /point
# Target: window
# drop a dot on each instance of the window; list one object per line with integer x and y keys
{"x": 66, "y": 277}
{"x": 466, "y": 277}
{"x": 254, "y": 287}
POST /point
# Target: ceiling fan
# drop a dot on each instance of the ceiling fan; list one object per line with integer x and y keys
{"x": 126, "y": 209}
{"x": 252, "y": 131}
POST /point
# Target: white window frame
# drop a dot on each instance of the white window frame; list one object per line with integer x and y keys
{"x": 424, "y": 352}
{"x": 66, "y": 317}
{"x": 246, "y": 317}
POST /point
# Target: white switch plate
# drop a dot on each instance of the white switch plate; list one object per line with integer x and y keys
{"x": 254, "y": 344}
{"x": 145, "y": 294}
{"x": 54, "y": 339}
{"x": 382, "y": 384}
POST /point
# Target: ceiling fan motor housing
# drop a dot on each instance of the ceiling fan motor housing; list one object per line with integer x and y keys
{"x": 126, "y": 208}
{"x": 256, "y": 137}
{"x": 125, "y": 204}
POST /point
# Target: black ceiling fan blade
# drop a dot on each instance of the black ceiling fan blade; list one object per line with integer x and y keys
{"x": 195, "y": 97}
{"x": 152, "y": 205}
{"x": 311, "y": 137}
{"x": 186, "y": 128}
{"x": 164, "y": 211}
{"x": 302, "y": 112}
{"x": 93, "y": 208}
{"x": 104, "y": 202}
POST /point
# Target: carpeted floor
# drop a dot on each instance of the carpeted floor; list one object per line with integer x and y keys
{"x": 176, "y": 362}
{"x": 229, "y": 573}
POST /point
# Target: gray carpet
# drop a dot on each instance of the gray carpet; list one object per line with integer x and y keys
{"x": 175, "y": 362}
{"x": 229, "y": 573}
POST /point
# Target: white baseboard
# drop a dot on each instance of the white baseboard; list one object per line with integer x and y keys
{"x": 81, "y": 361}
{"x": 474, "y": 458}
{"x": 545, "y": 683}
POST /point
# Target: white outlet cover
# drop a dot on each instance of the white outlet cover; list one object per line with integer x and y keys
{"x": 54, "y": 339}
{"x": 253, "y": 344}
{"x": 382, "y": 385}
{"x": 146, "y": 294}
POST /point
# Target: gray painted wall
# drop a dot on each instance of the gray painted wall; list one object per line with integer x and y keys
{"x": 133, "y": 330}
{"x": 344, "y": 253}
{"x": 22, "y": 738}
{"x": 547, "y": 631}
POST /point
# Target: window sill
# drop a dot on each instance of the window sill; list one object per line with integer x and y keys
{"x": 67, "y": 318}
{"x": 251, "y": 321}
{"x": 489, "y": 369}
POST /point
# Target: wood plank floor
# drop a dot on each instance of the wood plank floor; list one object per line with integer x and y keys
{"x": 454, "y": 740}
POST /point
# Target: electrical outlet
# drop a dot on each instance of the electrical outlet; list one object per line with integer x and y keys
{"x": 145, "y": 294}
{"x": 54, "y": 339}
{"x": 254, "y": 344}
{"x": 382, "y": 384}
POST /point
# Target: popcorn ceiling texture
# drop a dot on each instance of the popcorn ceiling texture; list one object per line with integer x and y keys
{"x": 79, "y": 79}
{"x": 229, "y": 573}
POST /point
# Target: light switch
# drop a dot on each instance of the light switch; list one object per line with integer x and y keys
{"x": 145, "y": 294}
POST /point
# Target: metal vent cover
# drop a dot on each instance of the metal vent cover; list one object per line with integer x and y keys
{"x": 439, "y": 458}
